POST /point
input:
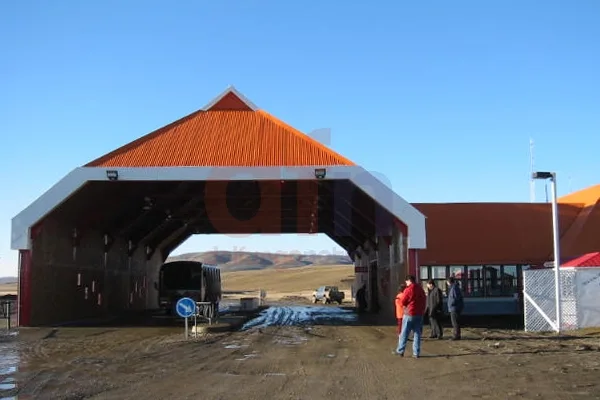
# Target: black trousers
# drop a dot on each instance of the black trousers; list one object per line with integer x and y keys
{"x": 436, "y": 326}
{"x": 454, "y": 317}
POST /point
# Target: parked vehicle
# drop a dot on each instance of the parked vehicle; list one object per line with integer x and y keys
{"x": 199, "y": 281}
{"x": 328, "y": 295}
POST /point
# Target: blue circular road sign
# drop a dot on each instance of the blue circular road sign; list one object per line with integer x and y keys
{"x": 185, "y": 307}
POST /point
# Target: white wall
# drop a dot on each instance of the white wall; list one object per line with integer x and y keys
{"x": 588, "y": 297}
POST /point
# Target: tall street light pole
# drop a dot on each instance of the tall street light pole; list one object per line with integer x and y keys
{"x": 556, "y": 238}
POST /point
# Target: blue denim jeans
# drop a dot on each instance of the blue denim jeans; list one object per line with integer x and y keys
{"x": 415, "y": 324}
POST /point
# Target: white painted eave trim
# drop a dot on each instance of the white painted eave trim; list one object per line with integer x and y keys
{"x": 233, "y": 90}
{"x": 66, "y": 187}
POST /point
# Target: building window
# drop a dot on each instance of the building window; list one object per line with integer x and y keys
{"x": 458, "y": 273}
{"x": 424, "y": 276}
{"x": 493, "y": 280}
{"x": 477, "y": 280}
{"x": 474, "y": 281}
{"x": 510, "y": 279}
{"x": 438, "y": 273}
{"x": 439, "y": 276}
{"x": 424, "y": 273}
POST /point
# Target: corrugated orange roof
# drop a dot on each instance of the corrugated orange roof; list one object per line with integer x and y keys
{"x": 228, "y": 134}
{"x": 585, "y": 196}
{"x": 496, "y": 233}
{"x": 584, "y": 234}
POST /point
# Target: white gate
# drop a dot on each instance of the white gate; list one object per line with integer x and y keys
{"x": 540, "y": 300}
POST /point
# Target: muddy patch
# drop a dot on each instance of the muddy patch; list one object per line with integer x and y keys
{"x": 301, "y": 316}
{"x": 9, "y": 361}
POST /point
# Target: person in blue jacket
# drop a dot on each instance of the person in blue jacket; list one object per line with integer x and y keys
{"x": 455, "y": 306}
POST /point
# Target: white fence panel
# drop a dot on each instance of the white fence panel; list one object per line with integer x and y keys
{"x": 540, "y": 300}
{"x": 588, "y": 288}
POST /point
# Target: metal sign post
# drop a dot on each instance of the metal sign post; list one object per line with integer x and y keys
{"x": 185, "y": 308}
{"x": 195, "y": 325}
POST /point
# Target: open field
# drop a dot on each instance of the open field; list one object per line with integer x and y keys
{"x": 292, "y": 283}
{"x": 289, "y": 280}
{"x": 8, "y": 288}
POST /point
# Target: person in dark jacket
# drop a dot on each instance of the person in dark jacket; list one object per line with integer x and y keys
{"x": 414, "y": 301}
{"x": 435, "y": 310}
{"x": 455, "y": 306}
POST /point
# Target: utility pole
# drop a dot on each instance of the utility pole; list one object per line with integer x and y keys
{"x": 531, "y": 170}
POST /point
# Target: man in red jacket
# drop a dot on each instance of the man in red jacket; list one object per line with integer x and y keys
{"x": 414, "y": 300}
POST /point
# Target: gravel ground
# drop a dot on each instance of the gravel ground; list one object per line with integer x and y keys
{"x": 294, "y": 353}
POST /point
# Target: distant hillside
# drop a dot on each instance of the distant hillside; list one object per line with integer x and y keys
{"x": 247, "y": 261}
{"x": 8, "y": 279}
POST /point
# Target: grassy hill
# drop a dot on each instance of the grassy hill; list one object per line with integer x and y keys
{"x": 8, "y": 280}
{"x": 253, "y": 261}
{"x": 289, "y": 279}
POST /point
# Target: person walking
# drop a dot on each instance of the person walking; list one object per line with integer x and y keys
{"x": 455, "y": 306}
{"x": 435, "y": 310}
{"x": 399, "y": 308}
{"x": 414, "y": 300}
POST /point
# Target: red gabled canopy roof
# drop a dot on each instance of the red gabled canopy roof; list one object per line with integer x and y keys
{"x": 586, "y": 260}
{"x": 229, "y": 132}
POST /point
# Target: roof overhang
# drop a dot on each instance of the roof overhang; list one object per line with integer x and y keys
{"x": 383, "y": 195}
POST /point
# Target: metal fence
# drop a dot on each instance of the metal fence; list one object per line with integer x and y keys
{"x": 8, "y": 313}
{"x": 540, "y": 300}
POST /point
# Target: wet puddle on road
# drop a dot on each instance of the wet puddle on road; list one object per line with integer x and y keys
{"x": 301, "y": 316}
{"x": 9, "y": 362}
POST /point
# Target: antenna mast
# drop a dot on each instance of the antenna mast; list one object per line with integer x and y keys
{"x": 531, "y": 171}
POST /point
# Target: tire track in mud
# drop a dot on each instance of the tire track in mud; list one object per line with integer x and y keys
{"x": 80, "y": 363}
{"x": 58, "y": 349}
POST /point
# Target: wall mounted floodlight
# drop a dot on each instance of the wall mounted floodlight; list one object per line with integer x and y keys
{"x": 320, "y": 173}
{"x": 543, "y": 175}
{"x": 112, "y": 175}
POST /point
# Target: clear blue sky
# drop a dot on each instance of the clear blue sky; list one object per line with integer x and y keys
{"x": 441, "y": 97}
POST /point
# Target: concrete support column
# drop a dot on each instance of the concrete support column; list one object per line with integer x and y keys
{"x": 371, "y": 263}
{"x": 413, "y": 262}
{"x": 364, "y": 264}
{"x": 398, "y": 258}
{"x": 385, "y": 272}
{"x": 361, "y": 276}
{"x": 24, "y": 294}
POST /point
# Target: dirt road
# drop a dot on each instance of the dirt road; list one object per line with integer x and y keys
{"x": 311, "y": 361}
